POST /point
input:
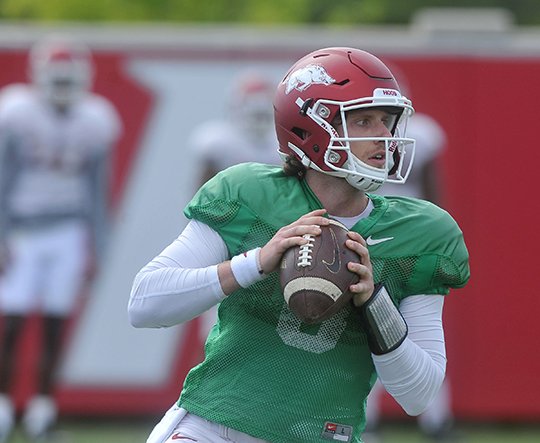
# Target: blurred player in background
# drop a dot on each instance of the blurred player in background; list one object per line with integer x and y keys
{"x": 246, "y": 131}
{"x": 425, "y": 179}
{"x": 425, "y": 182}
{"x": 56, "y": 138}
{"x": 266, "y": 376}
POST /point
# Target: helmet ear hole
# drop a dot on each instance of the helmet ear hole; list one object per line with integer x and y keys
{"x": 300, "y": 133}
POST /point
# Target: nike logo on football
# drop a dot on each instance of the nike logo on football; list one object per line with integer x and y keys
{"x": 335, "y": 264}
{"x": 375, "y": 241}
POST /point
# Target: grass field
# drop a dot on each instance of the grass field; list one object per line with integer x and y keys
{"x": 468, "y": 433}
{"x": 101, "y": 431}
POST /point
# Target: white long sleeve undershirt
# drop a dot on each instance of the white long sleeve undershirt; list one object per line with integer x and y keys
{"x": 182, "y": 283}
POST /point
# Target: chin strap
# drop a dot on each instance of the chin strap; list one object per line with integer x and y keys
{"x": 362, "y": 183}
{"x": 383, "y": 323}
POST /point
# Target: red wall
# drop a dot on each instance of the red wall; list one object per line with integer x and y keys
{"x": 489, "y": 108}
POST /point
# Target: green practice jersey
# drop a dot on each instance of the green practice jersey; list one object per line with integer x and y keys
{"x": 266, "y": 373}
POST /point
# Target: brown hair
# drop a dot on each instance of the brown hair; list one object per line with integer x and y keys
{"x": 294, "y": 168}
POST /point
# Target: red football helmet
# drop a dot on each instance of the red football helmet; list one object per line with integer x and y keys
{"x": 250, "y": 103}
{"x": 326, "y": 84}
{"x": 61, "y": 69}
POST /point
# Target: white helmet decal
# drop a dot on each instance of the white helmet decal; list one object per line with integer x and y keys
{"x": 302, "y": 79}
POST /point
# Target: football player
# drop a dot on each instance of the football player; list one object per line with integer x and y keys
{"x": 245, "y": 132}
{"x": 267, "y": 377}
{"x": 55, "y": 145}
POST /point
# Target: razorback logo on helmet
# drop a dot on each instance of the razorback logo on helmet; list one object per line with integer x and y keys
{"x": 303, "y": 78}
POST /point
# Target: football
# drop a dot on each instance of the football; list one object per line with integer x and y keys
{"x": 314, "y": 277}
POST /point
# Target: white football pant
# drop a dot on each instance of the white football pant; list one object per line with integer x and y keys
{"x": 178, "y": 424}
{"x": 46, "y": 270}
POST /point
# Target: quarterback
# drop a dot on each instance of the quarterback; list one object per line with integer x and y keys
{"x": 267, "y": 377}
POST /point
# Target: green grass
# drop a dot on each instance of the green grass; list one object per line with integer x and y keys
{"x": 136, "y": 431}
{"x": 467, "y": 433}
{"x": 95, "y": 431}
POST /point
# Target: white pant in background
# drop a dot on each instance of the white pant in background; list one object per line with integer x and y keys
{"x": 46, "y": 270}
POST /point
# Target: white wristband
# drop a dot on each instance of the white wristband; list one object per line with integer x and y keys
{"x": 246, "y": 268}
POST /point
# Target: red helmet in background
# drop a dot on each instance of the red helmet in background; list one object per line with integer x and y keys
{"x": 326, "y": 84}
{"x": 62, "y": 69}
{"x": 250, "y": 103}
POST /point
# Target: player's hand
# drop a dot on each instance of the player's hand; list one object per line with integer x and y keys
{"x": 291, "y": 235}
{"x": 364, "y": 288}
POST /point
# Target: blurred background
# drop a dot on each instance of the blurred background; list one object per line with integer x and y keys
{"x": 168, "y": 65}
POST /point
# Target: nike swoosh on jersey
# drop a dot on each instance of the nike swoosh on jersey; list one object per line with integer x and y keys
{"x": 375, "y": 241}
{"x": 335, "y": 264}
